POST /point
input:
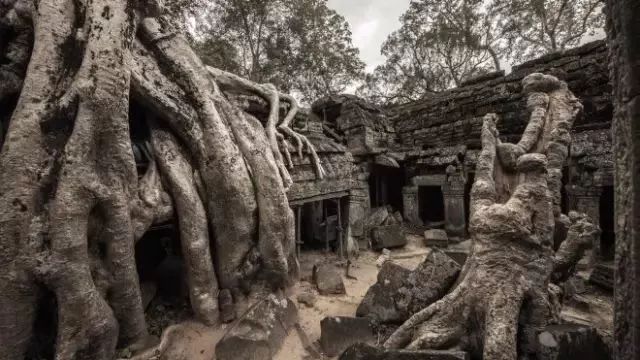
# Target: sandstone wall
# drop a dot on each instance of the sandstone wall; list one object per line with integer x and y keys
{"x": 454, "y": 117}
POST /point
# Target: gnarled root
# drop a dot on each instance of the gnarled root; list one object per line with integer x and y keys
{"x": 235, "y": 84}
{"x": 192, "y": 218}
{"x": 513, "y": 203}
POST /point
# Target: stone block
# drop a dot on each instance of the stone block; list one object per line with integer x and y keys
{"x": 429, "y": 282}
{"x": 377, "y": 217}
{"x": 388, "y": 237}
{"x": 571, "y": 342}
{"x": 369, "y": 352}
{"x": 328, "y": 279}
{"x": 400, "y": 293}
{"x": 436, "y": 238}
{"x": 378, "y": 303}
{"x": 339, "y": 332}
{"x": 261, "y": 331}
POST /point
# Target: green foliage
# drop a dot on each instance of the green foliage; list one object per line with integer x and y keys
{"x": 300, "y": 46}
{"x": 536, "y": 27}
{"x": 439, "y": 45}
{"x": 442, "y": 43}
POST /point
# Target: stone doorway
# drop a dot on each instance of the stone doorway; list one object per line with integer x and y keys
{"x": 431, "y": 206}
{"x": 607, "y": 223}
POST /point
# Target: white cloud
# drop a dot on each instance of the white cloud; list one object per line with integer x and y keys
{"x": 371, "y": 22}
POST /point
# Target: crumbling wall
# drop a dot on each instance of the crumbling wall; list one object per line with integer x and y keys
{"x": 455, "y": 116}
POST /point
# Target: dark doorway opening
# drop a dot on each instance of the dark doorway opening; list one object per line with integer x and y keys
{"x": 385, "y": 187}
{"x": 471, "y": 176}
{"x": 431, "y": 202}
{"x": 607, "y": 223}
{"x": 321, "y": 224}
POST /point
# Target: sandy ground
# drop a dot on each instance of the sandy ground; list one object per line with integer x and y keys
{"x": 193, "y": 341}
{"x": 364, "y": 269}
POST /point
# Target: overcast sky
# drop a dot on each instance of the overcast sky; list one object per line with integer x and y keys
{"x": 371, "y": 22}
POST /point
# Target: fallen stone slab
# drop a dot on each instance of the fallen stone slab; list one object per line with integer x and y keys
{"x": 259, "y": 334}
{"x": 399, "y": 293}
{"x": 339, "y": 332}
{"x": 369, "y": 352}
{"x": 387, "y": 237}
{"x": 429, "y": 282}
{"x": 378, "y": 303}
{"x": 436, "y": 238}
{"x": 328, "y": 279}
{"x": 376, "y": 217}
{"x": 571, "y": 342}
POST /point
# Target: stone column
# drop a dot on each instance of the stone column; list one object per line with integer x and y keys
{"x": 624, "y": 49}
{"x": 410, "y": 204}
{"x": 587, "y": 200}
{"x": 455, "y": 222}
{"x": 358, "y": 208}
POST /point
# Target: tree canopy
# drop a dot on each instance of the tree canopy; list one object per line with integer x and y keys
{"x": 300, "y": 46}
{"x": 441, "y": 43}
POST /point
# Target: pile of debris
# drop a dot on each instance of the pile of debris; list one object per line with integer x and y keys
{"x": 384, "y": 228}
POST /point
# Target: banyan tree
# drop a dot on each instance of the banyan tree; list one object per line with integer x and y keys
{"x": 73, "y": 204}
{"x": 508, "y": 288}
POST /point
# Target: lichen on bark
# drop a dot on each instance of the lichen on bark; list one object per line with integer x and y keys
{"x": 503, "y": 295}
{"x": 73, "y": 203}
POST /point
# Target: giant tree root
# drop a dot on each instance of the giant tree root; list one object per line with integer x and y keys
{"x": 73, "y": 203}
{"x": 504, "y": 286}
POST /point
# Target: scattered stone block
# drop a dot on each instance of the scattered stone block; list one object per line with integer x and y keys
{"x": 400, "y": 293}
{"x": 436, "y": 238}
{"x": 378, "y": 303}
{"x": 328, "y": 279}
{"x": 377, "y": 217}
{"x": 369, "y": 352}
{"x": 571, "y": 342}
{"x": 339, "y": 332}
{"x": 388, "y": 237}
{"x": 429, "y": 282}
{"x": 260, "y": 333}
{"x": 307, "y": 298}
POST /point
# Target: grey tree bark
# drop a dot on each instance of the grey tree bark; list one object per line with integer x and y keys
{"x": 504, "y": 293}
{"x": 623, "y": 26}
{"x": 72, "y": 204}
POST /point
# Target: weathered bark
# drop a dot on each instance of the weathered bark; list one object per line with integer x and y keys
{"x": 26, "y": 161}
{"x": 505, "y": 282}
{"x": 623, "y": 27}
{"x": 73, "y": 206}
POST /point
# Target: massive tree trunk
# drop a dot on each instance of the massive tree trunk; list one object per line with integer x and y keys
{"x": 623, "y": 27}
{"x": 504, "y": 293}
{"x": 73, "y": 204}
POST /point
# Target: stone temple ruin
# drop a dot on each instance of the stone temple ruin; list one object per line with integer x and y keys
{"x": 409, "y": 169}
{"x": 383, "y": 233}
{"x": 419, "y": 159}
{"x": 400, "y": 171}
